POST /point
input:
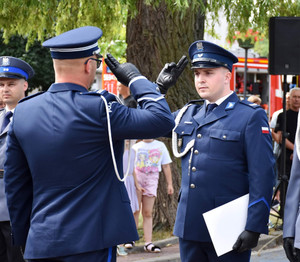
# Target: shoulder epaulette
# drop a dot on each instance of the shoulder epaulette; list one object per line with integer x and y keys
{"x": 250, "y": 104}
{"x": 108, "y": 96}
{"x": 31, "y": 96}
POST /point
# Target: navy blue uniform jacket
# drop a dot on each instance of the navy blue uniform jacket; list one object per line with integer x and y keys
{"x": 232, "y": 156}
{"x": 62, "y": 191}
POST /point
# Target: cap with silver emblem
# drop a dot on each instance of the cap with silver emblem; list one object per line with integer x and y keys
{"x": 76, "y": 43}
{"x": 12, "y": 67}
{"x": 205, "y": 54}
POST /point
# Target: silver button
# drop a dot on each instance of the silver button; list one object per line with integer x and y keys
{"x": 196, "y": 152}
{"x": 182, "y": 132}
{"x": 224, "y": 136}
{"x": 194, "y": 169}
{"x": 199, "y": 136}
{"x": 192, "y": 186}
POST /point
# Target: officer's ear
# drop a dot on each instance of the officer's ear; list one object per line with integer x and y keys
{"x": 25, "y": 85}
{"x": 89, "y": 65}
{"x": 227, "y": 75}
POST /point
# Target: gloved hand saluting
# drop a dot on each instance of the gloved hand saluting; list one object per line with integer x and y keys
{"x": 170, "y": 73}
{"x": 123, "y": 72}
{"x": 246, "y": 240}
{"x": 290, "y": 251}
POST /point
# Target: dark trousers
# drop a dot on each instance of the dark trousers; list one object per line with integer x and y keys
{"x": 191, "y": 251}
{"x": 104, "y": 255}
{"x": 8, "y": 252}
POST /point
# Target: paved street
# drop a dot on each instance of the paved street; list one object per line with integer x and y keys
{"x": 271, "y": 255}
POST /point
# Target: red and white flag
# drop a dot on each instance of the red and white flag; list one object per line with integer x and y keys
{"x": 265, "y": 130}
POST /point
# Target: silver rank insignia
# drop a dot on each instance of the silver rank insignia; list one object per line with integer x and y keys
{"x": 5, "y": 61}
{"x": 199, "y": 45}
{"x": 179, "y": 142}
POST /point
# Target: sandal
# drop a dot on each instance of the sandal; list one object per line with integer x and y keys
{"x": 152, "y": 248}
{"x": 121, "y": 251}
{"x": 129, "y": 245}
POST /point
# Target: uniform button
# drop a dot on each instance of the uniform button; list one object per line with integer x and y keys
{"x": 224, "y": 137}
{"x": 194, "y": 169}
{"x": 192, "y": 186}
{"x": 182, "y": 132}
{"x": 199, "y": 135}
{"x": 196, "y": 152}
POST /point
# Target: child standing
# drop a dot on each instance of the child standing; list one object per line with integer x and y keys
{"x": 151, "y": 157}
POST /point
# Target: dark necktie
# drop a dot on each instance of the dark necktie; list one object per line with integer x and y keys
{"x": 210, "y": 108}
{"x": 6, "y": 120}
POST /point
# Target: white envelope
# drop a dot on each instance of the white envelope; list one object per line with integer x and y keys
{"x": 225, "y": 223}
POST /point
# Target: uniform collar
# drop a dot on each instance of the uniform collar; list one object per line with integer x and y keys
{"x": 220, "y": 111}
{"x": 220, "y": 100}
{"x": 60, "y": 87}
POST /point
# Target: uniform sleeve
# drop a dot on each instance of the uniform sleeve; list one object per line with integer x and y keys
{"x": 292, "y": 199}
{"x": 153, "y": 118}
{"x": 18, "y": 189}
{"x": 260, "y": 159}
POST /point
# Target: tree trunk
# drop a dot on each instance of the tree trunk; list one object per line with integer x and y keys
{"x": 157, "y": 36}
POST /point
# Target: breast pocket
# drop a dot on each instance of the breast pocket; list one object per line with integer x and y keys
{"x": 184, "y": 134}
{"x": 224, "y": 144}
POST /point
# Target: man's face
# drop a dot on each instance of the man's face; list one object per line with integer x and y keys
{"x": 295, "y": 100}
{"x": 212, "y": 83}
{"x": 122, "y": 90}
{"x": 12, "y": 90}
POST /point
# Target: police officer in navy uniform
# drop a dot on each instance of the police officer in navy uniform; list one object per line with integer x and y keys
{"x": 226, "y": 150}
{"x": 63, "y": 173}
{"x": 14, "y": 74}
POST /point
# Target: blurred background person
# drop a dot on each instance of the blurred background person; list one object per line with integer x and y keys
{"x": 254, "y": 99}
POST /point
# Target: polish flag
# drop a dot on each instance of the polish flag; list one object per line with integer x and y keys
{"x": 265, "y": 130}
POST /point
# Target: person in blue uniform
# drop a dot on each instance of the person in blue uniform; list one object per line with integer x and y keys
{"x": 226, "y": 150}
{"x": 14, "y": 74}
{"x": 63, "y": 173}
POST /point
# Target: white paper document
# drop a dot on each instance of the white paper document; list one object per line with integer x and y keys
{"x": 225, "y": 223}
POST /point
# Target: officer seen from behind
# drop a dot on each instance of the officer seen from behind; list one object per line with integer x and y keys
{"x": 226, "y": 150}
{"x": 65, "y": 197}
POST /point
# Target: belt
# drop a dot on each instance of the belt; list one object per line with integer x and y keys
{"x": 1, "y": 173}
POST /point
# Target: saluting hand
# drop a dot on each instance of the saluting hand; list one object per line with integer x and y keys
{"x": 170, "y": 73}
{"x": 123, "y": 72}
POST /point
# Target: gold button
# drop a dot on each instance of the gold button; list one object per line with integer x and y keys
{"x": 199, "y": 135}
{"x": 192, "y": 186}
{"x": 196, "y": 152}
{"x": 194, "y": 169}
{"x": 224, "y": 137}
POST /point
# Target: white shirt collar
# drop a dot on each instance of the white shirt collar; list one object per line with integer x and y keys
{"x": 220, "y": 100}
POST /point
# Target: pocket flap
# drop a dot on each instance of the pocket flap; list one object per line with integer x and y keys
{"x": 184, "y": 129}
{"x": 226, "y": 135}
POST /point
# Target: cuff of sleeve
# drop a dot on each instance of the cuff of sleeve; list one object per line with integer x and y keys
{"x": 19, "y": 235}
{"x": 135, "y": 79}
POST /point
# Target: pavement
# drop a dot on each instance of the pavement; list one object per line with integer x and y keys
{"x": 170, "y": 249}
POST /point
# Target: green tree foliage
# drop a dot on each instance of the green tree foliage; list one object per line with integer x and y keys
{"x": 38, "y": 19}
{"x": 39, "y": 58}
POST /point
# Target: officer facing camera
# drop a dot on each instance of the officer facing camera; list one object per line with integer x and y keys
{"x": 63, "y": 173}
{"x": 14, "y": 73}
{"x": 220, "y": 158}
